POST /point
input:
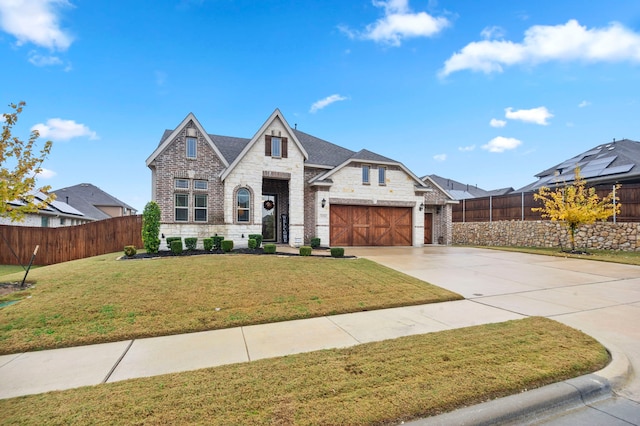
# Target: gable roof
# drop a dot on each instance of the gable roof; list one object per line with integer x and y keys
{"x": 169, "y": 135}
{"x": 464, "y": 191}
{"x": 85, "y": 198}
{"x": 606, "y": 163}
{"x": 276, "y": 114}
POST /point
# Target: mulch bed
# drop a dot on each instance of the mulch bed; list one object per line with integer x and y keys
{"x": 10, "y": 287}
{"x": 258, "y": 251}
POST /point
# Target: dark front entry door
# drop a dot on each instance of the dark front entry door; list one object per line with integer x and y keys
{"x": 428, "y": 228}
{"x": 269, "y": 222}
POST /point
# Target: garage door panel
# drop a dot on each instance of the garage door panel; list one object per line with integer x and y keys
{"x": 370, "y": 226}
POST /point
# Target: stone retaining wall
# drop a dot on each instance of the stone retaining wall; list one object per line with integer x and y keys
{"x": 600, "y": 235}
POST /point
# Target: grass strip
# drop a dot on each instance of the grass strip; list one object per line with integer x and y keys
{"x": 100, "y": 299}
{"x": 614, "y": 256}
{"x": 376, "y": 383}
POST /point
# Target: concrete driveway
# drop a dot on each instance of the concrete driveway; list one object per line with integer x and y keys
{"x": 601, "y": 299}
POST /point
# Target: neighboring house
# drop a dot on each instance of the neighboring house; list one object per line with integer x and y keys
{"x": 461, "y": 191}
{"x": 93, "y": 202}
{"x": 55, "y": 215}
{"x": 610, "y": 163}
{"x": 288, "y": 186}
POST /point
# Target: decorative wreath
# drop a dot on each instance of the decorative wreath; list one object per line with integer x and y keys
{"x": 268, "y": 205}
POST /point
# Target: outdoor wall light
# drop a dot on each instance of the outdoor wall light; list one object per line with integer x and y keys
{"x": 323, "y": 203}
{"x": 438, "y": 210}
{"x": 421, "y": 206}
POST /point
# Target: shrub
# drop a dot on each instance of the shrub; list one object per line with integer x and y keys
{"x": 227, "y": 245}
{"x": 315, "y": 242}
{"x": 176, "y": 246}
{"x": 130, "y": 251}
{"x": 191, "y": 243}
{"x": 269, "y": 248}
{"x": 217, "y": 241}
{"x": 337, "y": 252}
{"x": 207, "y": 243}
{"x": 305, "y": 251}
{"x": 170, "y": 239}
{"x": 252, "y": 243}
{"x": 151, "y": 227}
{"x": 257, "y": 237}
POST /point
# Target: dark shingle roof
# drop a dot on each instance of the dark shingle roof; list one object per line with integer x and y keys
{"x": 458, "y": 190}
{"x": 85, "y": 197}
{"x": 322, "y": 152}
{"x": 366, "y": 155}
{"x": 606, "y": 163}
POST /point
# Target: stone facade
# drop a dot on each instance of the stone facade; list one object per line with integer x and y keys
{"x": 438, "y": 203}
{"x": 600, "y": 235}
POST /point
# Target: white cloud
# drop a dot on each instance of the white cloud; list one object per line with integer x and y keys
{"x": 322, "y": 103}
{"x": 35, "y": 21}
{"x": 544, "y": 43}
{"x": 497, "y": 123}
{"x": 494, "y": 32}
{"x": 46, "y": 174}
{"x": 63, "y": 130}
{"x": 398, "y": 23}
{"x": 466, "y": 148}
{"x": 584, "y": 104}
{"x": 43, "y": 61}
{"x": 534, "y": 115}
{"x": 440, "y": 157}
{"x": 501, "y": 144}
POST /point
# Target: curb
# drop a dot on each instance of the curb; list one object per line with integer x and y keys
{"x": 539, "y": 403}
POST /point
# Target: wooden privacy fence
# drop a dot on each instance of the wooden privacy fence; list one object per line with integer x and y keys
{"x": 69, "y": 242}
{"x": 518, "y": 206}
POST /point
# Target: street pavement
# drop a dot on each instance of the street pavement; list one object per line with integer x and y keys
{"x": 601, "y": 299}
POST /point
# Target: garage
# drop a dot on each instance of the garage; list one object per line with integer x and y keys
{"x": 370, "y": 226}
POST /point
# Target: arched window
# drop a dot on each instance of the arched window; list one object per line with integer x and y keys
{"x": 243, "y": 205}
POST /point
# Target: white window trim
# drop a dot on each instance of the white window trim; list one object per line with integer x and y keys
{"x": 195, "y": 147}
{"x": 176, "y": 186}
{"x": 196, "y": 208}
{"x": 197, "y": 181}
{"x": 176, "y": 207}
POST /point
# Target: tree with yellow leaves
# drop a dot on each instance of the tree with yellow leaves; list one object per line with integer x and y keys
{"x": 19, "y": 166}
{"x": 575, "y": 205}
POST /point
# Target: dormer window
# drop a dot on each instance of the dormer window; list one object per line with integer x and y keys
{"x": 191, "y": 147}
{"x": 275, "y": 146}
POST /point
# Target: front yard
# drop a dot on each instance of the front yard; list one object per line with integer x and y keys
{"x": 101, "y": 299}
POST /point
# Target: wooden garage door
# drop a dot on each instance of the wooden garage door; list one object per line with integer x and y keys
{"x": 370, "y": 226}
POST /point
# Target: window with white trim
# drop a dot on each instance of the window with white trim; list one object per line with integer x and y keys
{"x": 365, "y": 173}
{"x": 181, "y": 207}
{"x": 243, "y": 205}
{"x": 276, "y": 147}
{"x": 200, "y": 207}
{"x": 200, "y": 184}
{"x": 191, "y": 147}
{"x": 182, "y": 183}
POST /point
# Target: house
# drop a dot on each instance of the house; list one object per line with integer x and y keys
{"x": 55, "y": 214}
{"x": 461, "y": 191}
{"x": 93, "y": 202}
{"x": 609, "y": 163}
{"x": 290, "y": 186}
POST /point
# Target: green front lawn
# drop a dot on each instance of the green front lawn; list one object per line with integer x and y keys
{"x": 615, "y": 256}
{"x": 377, "y": 383}
{"x": 101, "y": 299}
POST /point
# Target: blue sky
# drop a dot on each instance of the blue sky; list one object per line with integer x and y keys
{"x": 484, "y": 92}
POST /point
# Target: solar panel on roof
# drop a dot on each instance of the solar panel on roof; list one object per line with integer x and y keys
{"x": 591, "y": 173}
{"x": 617, "y": 169}
{"x": 65, "y": 208}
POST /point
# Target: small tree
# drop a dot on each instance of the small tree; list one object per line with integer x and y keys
{"x": 18, "y": 178}
{"x": 575, "y": 205}
{"x": 151, "y": 227}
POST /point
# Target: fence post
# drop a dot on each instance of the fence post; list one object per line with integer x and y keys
{"x": 490, "y": 208}
{"x": 464, "y": 205}
{"x": 522, "y": 205}
{"x": 614, "y": 203}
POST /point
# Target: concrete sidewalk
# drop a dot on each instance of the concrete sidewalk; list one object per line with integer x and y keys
{"x": 601, "y": 299}
{"x": 58, "y": 369}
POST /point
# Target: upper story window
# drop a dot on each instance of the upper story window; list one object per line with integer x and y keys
{"x": 182, "y": 207}
{"x": 182, "y": 183}
{"x": 243, "y": 205}
{"x": 382, "y": 175}
{"x": 44, "y": 221}
{"x": 200, "y": 184}
{"x": 365, "y": 173}
{"x": 191, "y": 147}
{"x": 275, "y": 146}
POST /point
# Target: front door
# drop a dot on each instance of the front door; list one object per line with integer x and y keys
{"x": 269, "y": 223}
{"x": 428, "y": 228}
